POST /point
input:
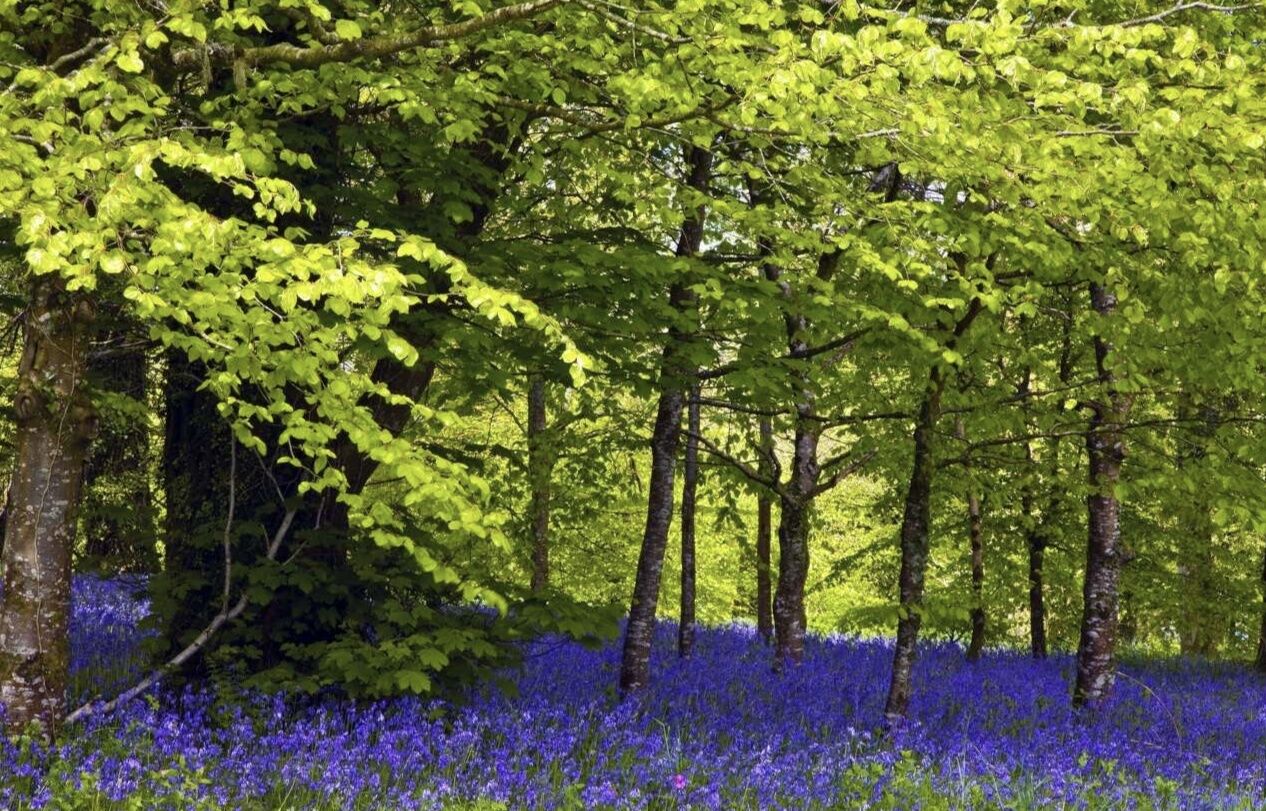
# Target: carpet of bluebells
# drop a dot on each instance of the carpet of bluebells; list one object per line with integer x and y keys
{"x": 719, "y": 731}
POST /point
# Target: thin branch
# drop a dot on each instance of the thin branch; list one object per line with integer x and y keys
{"x": 623, "y": 22}
{"x": 217, "y": 622}
{"x": 742, "y": 467}
{"x": 1131, "y": 23}
{"x": 844, "y": 472}
{"x": 1181, "y": 7}
{"x": 228, "y": 524}
{"x": 572, "y": 115}
{"x": 311, "y": 56}
{"x": 843, "y": 342}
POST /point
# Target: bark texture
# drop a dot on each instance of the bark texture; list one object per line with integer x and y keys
{"x": 55, "y": 424}
{"x": 764, "y": 533}
{"x": 689, "y": 488}
{"x": 797, "y": 493}
{"x": 674, "y": 380}
{"x": 915, "y": 523}
{"x": 978, "y": 618}
{"x": 539, "y": 469}
{"x": 1105, "y": 451}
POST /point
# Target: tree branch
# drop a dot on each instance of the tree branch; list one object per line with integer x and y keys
{"x": 843, "y": 342}
{"x": 311, "y": 56}
{"x": 844, "y": 472}
{"x": 225, "y": 616}
{"x": 742, "y": 467}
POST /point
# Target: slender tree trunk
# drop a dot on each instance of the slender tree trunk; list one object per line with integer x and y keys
{"x": 914, "y": 551}
{"x": 797, "y": 496}
{"x": 540, "y": 464}
{"x": 977, "y": 579}
{"x": 1035, "y": 534}
{"x": 764, "y": 527}
{"x": 915, "y": 526}
{"x": 635, "y": 665}
{"x": 55, "y": 424}
{"x": 690, "y": 484}
{"x": 1036, "y": 543}
{"x": 1198, "y": 630}
{"x": 794, "y": 507}
{"x": 1105, "y": 450}
{"x": 1201, "y": 618}
{"x": 674, "y": 379}
{"x": 1260, "y": 663}
{"x": 975, "y": 542}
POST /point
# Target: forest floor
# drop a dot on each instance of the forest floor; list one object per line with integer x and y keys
{"x": 717, "y": 731}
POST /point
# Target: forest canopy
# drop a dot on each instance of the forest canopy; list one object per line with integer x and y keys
{"x": 382, "y": 337}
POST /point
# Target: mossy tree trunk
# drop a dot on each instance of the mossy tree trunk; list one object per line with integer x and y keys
{"x": 55, "y": 423}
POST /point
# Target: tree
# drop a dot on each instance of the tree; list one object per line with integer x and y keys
{"x": 674, "y": 380}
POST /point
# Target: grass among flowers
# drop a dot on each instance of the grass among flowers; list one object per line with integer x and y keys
{"x": 719, "y": 731}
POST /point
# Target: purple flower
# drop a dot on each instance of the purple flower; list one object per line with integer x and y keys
{"x": 1177, "y": 734}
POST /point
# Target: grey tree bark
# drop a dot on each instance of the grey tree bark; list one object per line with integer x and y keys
{"x": 915, "y": 524}
{"x": 689, "y": 489}
{"x": 55, "y": 423}
{"x": 674, "y": 379}
{"x": 1105, "y": 451}
{"x": 764, "y": 532}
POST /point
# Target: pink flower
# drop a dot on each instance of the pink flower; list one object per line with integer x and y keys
{"x": 679, "y": 782}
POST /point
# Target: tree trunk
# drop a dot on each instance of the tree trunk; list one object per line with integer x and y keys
{"x": 1198, "y": 629}
{"x": 635, "y": 662}
{"x": 540, "y": 464}
{"x": 1036, "y": 543}
{"x": 793, "y": 535}
{"x": 1105, "y": 450}
{"x": 55, "y": 424}
{"x": 1260, "y": 663}
{"x": 690, "y": 484}
{"x": 764, "y": 527}
{"x": 1202, "y": 623}
{"x": 119, "y": 535}
{"x": 793, "y": 570}
{"x": 974, "y": 538}
{"x": 674, "y": 379}
{"x": 915, "y": 524}
{"x": 977, "y": 578}
{"x": 1036, "y": 532}
{"x": 797, "y": 496}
